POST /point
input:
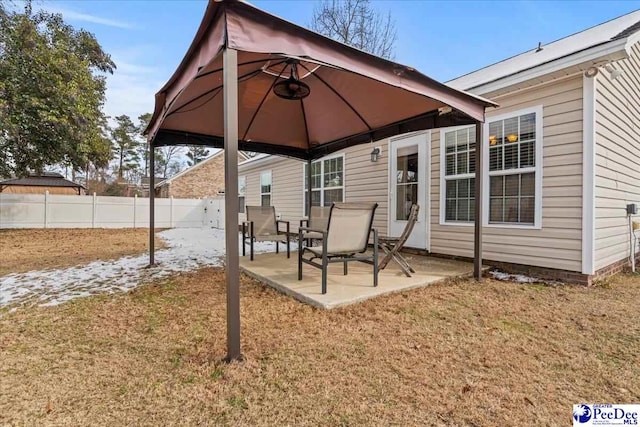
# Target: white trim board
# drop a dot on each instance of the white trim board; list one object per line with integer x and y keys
{"x": 588, "y": 173}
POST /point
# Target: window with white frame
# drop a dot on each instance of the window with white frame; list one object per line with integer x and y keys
{"x": 265, "y": 188}
{"x": 513, "y": 172}
{"x": 459, "y": 165}
{"x": 242, "y": 190}
{"x": 327, "y": 182}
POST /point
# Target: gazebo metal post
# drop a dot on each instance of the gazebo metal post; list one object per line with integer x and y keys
{"x": 152, "y": 201}
{"x": 308, "y": 189}
{"x": 477, "y": 246}
{"x": 230, "y": 94}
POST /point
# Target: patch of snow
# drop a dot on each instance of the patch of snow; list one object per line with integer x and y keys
{"x": 519, "y": 278}
{"x": 187, "y": 249}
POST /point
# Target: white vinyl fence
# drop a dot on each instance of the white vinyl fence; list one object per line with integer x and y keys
{"x": 68, "y": 211}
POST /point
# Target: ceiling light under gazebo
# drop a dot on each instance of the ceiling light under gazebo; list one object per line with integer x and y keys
{"x": 292, "y": 88}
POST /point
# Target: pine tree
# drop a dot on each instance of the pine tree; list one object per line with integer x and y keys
{"x": 196, "y": 154}
{"x": 124, "y": 144}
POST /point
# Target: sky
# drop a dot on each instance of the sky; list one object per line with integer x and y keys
{"x": 442, "y": 39}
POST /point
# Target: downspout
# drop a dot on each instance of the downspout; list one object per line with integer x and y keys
{"x": 634, "y": 231}
{"x": 309, "y": 188}
{"x": 632, "y": 245}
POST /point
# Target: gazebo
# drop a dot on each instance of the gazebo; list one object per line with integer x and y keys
{"x": 255, "y": 82}
{"x": 52, "y": 182}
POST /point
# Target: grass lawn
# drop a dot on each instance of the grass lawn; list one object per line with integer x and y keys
{"x": 451, "y": 354}
{"x": 24, "y": 250}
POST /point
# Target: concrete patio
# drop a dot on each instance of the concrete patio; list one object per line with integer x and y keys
{"x": 281, "y": 273}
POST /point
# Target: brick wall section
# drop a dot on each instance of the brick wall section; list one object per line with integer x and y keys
{"x": 544, "y": 273}
{"x": 204, "y": 181}
{"x": 532, "y": 271}
{"x": 548, "y": 273}
{"x": 507, "y": 267}
{"x": 615, "y": 268}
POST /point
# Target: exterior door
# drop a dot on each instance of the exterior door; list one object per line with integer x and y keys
{"x": 408, "y": 185}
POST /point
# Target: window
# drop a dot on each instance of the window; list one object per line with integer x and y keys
{"x": 327, "y": 182}
{"x": 406, "y": 181}
{"x": 458, "y": 178}
{"x": 514, "y": 168}
{"x": 265, "y": 188}
{"x": 242, "y": 189}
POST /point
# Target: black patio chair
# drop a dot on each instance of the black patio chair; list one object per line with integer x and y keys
{"x": 345, "y": 240}
{"x": 262, "y": 226}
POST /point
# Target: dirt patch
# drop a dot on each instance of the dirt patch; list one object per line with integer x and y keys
{"x": 452, "y": 354}
{"x": 25, "y": 250}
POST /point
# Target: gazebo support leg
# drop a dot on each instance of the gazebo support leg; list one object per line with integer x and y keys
{"x": 230, "y": 96}
{"x": 477, "y": 246}
{"x": 309, "y": 190}
{"x": 152, "y": 201}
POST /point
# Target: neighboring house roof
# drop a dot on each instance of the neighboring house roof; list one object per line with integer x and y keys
{"x": 46, "y": 179}
{"x": 614, "y": 32}
{"x": 242, "y": 156}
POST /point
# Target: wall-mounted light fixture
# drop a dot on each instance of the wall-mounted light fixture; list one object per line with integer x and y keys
{"x": 614, "y": 73}
{"x": 376, "y": 153}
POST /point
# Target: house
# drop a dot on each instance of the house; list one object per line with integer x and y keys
{"x": 561, "y": 163}
{"x": 52, "y": 182}
{"x": 204, "y": 179}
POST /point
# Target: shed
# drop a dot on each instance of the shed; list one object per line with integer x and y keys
{"x": 52, "y": 182}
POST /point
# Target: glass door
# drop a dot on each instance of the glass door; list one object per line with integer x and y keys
{"x": 408, "y": 167}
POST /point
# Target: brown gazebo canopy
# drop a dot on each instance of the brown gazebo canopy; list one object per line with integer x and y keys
{"x": 223, "y": 94}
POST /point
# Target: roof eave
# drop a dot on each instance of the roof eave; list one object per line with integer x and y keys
{"x": 609, "y": 51}
{"x": 631, "y": 40}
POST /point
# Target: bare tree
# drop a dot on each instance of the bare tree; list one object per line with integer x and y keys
{"x": 356, "y": 23}
{"x": 168, "y": 160}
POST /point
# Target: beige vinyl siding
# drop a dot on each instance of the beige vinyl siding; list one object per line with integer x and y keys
{"x": 364, "y": 181}
{"x": 558, "y": 244}
{"x": 286, "y": 187}
{"x": 617, "y": 158}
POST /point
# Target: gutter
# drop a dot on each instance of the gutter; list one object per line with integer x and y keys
{"x": 610, "y": 51}
{"x": 261, "y": 161}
